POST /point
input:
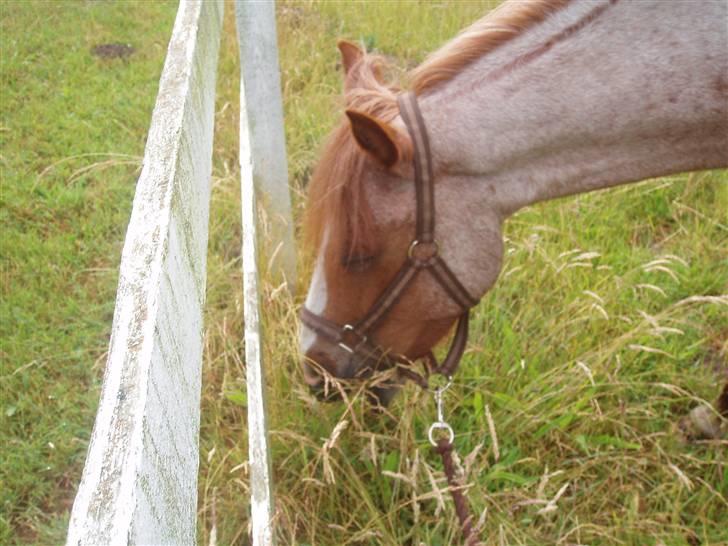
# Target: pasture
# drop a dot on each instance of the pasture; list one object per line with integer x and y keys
{"x": 609, "y": 321}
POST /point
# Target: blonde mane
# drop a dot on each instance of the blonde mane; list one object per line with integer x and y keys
{"x": 498, "y": 27}
{"x": 336, "y": 196}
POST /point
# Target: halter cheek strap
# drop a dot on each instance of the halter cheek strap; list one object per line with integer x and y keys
{"x": 423, "y": 255}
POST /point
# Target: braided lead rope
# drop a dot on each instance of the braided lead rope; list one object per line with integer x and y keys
{"x": 444, "y": 447}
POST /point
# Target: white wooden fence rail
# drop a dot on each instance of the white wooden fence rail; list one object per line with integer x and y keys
{"x": 139, "y": 485}
{"x": 264, "y": 175}
{"x": 262, "y": 139}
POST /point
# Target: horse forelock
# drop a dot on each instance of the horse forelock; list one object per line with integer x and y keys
{"x": 336, "y": 198}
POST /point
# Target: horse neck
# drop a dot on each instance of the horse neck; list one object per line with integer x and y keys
{"x": 599, "y": 94}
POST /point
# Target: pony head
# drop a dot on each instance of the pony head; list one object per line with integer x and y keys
{"x": 361, "y": 222}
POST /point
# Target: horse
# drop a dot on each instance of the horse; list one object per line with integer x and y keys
{"x": 535, "y": 101}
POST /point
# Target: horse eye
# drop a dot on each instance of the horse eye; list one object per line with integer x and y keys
{"x": 358, "y": 263}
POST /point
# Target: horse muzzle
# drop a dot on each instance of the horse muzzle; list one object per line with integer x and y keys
{"x": 329, "y": 370}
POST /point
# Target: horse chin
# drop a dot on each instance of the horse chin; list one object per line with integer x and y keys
{"x": 351, "y": 371}
{"x": 382, "y": 396}
{"x": 377, "y": 396}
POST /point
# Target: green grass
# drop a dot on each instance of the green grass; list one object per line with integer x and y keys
{"x": 598, "y": 337}
{"x": 71, "y": 138}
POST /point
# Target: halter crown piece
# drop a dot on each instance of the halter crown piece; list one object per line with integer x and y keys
{"x": 423, "y": 255}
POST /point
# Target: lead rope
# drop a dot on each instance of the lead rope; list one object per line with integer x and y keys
{"x": 444, "y": 447}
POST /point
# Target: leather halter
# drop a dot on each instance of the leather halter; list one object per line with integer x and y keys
{"x": 423, "y": 255}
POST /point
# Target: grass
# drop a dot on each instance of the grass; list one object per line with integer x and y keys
{"x": 605, "y": 327}
{"x": 71, "y": 139}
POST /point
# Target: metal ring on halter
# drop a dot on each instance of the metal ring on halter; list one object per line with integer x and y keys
{"x": 440, "y": 425}
{"x": 350, "y": 328}
{"x": 415, "y": 243}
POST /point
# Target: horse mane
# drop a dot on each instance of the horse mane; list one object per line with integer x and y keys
{"x": 498, "y": 27}
{"x": 336, "y": 189}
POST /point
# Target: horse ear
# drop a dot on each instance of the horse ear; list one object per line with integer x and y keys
{"x": 379, "y": 139}
{"x": 360, "y": 69}
{"x": 350, "y": 54}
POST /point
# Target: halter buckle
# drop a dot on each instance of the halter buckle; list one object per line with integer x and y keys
{"x": 349, "y": 329}
{"x": 428, "y": 251}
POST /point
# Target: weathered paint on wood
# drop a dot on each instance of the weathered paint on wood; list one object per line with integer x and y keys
{"x": 264, "y": 175}
{"x": 264, "y": 141}
{"x": 261, "y": 490}
{"x": 139, "y": 485}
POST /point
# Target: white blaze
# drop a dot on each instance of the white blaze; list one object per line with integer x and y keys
{"x": 316, "y": 298}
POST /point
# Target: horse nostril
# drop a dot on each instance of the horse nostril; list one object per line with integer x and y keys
{"x": 315, "y": 367}
{"x": 312, "y": 377}
{"x": 316, "y": 364}
{"x": 324, "y": 394}
{"x": 317, "y": 385}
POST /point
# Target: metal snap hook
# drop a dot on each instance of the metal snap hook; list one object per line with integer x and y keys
{"x": 441, "y": 424}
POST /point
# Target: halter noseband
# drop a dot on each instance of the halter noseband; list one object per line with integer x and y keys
{"x": 423, "y": 254}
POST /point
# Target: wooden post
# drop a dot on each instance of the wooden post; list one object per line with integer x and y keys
{"x": 262, "y": 139}
{"x": 139, "y": 485}
{"x": 264, "y": 176}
